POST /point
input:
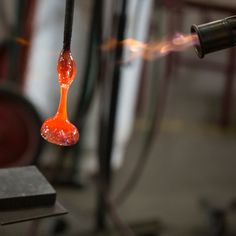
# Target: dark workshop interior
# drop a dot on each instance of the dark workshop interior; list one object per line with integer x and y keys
{"x": 117, "y": 117}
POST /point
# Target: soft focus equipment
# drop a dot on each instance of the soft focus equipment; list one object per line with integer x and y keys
{"x": 215, "y": 36}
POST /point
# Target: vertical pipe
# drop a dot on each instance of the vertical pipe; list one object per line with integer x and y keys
{"x": 14, "y": 48}
{"x": 228, "y": 89}
{"x": 26, "y": 32}
{"x": 107, "y": 127}
{"x": 100, "y": 208}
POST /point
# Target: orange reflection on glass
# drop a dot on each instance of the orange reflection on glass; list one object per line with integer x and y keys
{"x": 58, "y": 129}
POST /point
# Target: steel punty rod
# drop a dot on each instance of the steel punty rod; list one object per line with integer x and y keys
{"x": 68, "y": 24}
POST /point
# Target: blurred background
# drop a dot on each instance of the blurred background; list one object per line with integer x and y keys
{"x": 157, "y": 149}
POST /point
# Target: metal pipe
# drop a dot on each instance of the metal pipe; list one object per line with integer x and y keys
{"x": 68, "y": 24}
{"x": 215, "y": 36}
{"x": 108, "y": 120}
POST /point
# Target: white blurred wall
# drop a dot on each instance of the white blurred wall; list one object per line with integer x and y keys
{"x": 137, "y": 26}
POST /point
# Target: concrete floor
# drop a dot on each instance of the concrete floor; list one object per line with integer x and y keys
{"x": 191, "y": 159}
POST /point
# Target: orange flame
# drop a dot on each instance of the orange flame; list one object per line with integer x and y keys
{"x": 151, "y": 51}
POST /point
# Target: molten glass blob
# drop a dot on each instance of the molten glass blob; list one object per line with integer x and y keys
{"x": 58, "y": 129}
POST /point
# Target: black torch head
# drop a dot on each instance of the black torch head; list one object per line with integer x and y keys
{"x": 215, "y": 36}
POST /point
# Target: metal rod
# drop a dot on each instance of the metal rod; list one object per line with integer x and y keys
{"x": 228, "y": 90}
{"x": 108, "y": 124}
{"x": 68, "y": 24}
{"x": 115, "y": 86}
{"x": 102, "y": 78}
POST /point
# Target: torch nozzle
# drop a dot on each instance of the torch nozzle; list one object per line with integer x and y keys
{"x": 215, "y": 36}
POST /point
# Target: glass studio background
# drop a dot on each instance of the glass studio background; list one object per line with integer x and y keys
{"x": 167, "y": 160}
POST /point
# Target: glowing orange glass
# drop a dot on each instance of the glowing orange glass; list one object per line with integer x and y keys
{"x": 58, "y": 129}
